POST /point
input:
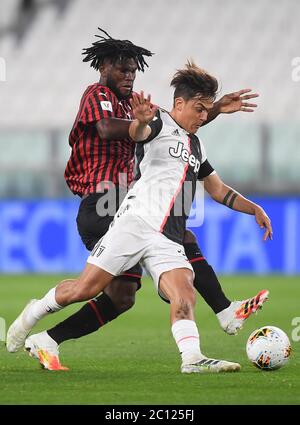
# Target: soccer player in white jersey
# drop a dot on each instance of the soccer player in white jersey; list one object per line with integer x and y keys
{"x": 149, "y": 228}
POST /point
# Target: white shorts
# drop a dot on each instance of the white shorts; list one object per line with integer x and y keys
{"x": 131, "y": 240}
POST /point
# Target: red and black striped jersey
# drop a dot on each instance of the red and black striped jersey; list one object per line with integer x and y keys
{"x": 94, "y": 160}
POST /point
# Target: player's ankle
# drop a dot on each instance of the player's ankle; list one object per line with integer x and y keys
{"x": 222, "y": 315}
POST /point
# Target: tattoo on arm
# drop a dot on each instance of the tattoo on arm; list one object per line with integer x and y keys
{"x": 229, "y": 198}
{"x": 232, "y": 200}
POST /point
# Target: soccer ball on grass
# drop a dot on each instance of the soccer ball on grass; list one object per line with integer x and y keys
{"x": 268, "y": 348}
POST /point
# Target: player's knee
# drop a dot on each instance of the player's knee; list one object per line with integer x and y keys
{"x": 189, "y": 237}
{"x": 126, "y": 303}
{"x": 83, "y": 293}
{"x": 122, "y": 294}
{"x": 85, "y": 288}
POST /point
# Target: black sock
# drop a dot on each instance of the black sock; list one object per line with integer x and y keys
{"x": 88, "y": 319}
{"x": 206, "y": 281}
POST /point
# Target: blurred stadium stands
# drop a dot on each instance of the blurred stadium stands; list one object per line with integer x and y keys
{"x": 244, "y": 45}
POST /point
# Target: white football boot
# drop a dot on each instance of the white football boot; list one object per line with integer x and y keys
{"x": 207, "y": 365}
{"x": 18, "y": 331}
{"x": 44, "y": 349}
{"x": 233, "y": 317}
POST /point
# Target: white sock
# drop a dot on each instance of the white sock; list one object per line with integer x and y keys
{"x": 42, "y": 307}
{"x": 186, "y": 335}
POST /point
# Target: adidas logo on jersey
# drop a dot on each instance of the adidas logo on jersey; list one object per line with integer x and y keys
{"x": 186, "y": 156}
{"x": 175, "y": 132}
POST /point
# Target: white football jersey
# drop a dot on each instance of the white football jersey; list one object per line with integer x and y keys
{"x": 168, "y": 165}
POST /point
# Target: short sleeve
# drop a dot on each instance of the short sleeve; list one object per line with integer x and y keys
{"x": 156, "y": 126}
{"x": 205, "y": 170}
{"x": 98, "y": 104}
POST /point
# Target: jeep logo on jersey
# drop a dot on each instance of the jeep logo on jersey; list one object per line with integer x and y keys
{"x": 186, "y": 156}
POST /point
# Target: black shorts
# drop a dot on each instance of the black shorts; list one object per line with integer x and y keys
{"x": 91, "y": 227}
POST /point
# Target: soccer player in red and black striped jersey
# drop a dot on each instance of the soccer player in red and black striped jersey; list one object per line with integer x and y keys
{"x": 102, "y": 156}
{"x": 101, "y": 148}
{"x": 102, "y": 163}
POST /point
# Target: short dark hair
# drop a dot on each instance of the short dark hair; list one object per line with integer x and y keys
{"x": 193, "y": 81}
{"x": 114, "y": 50}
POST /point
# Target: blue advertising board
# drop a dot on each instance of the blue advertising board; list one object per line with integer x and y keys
{"x": 41, "y": 237}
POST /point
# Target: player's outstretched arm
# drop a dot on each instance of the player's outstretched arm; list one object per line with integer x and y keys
{"x": 118, "y": 129}
{"x": 227, "y": 196}
{"x": 233, "y": 102}
{"x": 113, "y": 128}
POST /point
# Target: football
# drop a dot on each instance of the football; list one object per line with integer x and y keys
{"x": 268, "y": 348}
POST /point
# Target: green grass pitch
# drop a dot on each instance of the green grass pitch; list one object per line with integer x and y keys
{"x": 134, "y": 359}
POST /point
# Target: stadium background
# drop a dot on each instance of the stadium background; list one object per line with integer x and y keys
{"x": 42, "y": 78}
{"x": 258, "y": 154}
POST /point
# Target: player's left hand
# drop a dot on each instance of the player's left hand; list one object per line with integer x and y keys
{"x": 264, "y": 222}
{"x": 237, "y": 101}
{"x": 142, "y": 108}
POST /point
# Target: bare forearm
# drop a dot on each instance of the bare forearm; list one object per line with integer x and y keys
{"x": 233, "y": 102}
{"x": 139, "y": 131}
{"x": 113, "y": 128}
{"x": 234, "y": 200}
{"x": 225, "y": 195}
{"x": 238, "y": 202}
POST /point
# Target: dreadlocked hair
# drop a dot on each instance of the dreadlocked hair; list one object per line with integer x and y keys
{"x": 114, "y": 50}
{"x": 194, "y": 82}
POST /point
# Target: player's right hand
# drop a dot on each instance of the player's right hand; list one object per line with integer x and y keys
{"x": 264, "y": 221}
